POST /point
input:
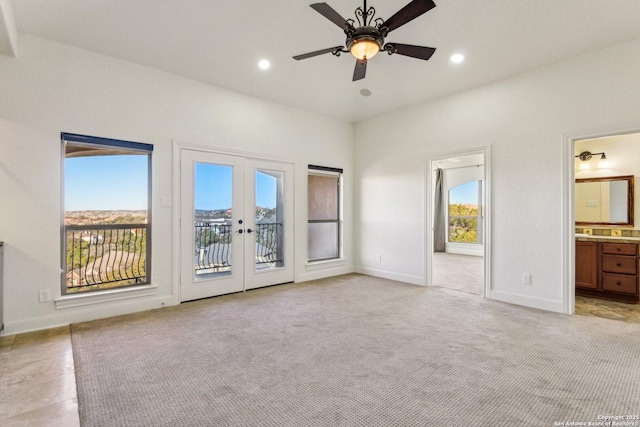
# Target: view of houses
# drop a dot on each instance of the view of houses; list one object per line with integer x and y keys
{"x": 107, "y": 248}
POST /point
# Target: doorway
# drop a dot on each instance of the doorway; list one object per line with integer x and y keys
{"x": 458, "y": 207}
{"x": 601, "y": 212}
{"x": 236, "y": 223}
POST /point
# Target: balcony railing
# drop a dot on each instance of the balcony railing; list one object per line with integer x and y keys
{"x": 110, "y": 256}
{"x": 213, "y": 246}
{"x": 106, "y": 256}
{"x": 268, "y": 243}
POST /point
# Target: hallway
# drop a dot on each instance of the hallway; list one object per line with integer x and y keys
{"x": 460, "y": 272}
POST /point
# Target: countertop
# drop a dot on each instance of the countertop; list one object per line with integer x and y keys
{"x": 611, "y": 239}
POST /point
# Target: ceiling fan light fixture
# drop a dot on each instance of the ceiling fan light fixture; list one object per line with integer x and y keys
{"x": 366, "y": 37}
{"x": 364, "y": 48}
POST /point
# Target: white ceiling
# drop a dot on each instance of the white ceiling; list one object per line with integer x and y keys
{"x": 220, "y": 42}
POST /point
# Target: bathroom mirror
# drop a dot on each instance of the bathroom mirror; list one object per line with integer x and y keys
{"x": 604, "y": 201}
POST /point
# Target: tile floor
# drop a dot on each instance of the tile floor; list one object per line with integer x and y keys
{"x": 624, "y": 312}
{"x": 37, "y": 381}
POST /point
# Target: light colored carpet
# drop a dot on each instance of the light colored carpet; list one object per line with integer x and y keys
{"x": 353, "y": 351}
{"x": 461, "y": 272}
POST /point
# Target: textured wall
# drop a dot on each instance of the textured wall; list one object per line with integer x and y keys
{"x": 51, "y": 88}
{"x": 525, "y": 120}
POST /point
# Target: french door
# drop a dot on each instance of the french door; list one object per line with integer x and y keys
{"x": 236, "y": 224}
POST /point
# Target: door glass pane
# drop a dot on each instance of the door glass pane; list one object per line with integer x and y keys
{"x": 269, "y": 219}
{"x": 213, "y": 217}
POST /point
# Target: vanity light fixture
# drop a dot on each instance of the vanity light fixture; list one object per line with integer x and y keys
{"x": 603, "y": 163}
{"x": 585, "y": 156}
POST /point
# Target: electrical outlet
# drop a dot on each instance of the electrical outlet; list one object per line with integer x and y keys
{"x": 616, "y": 233}
{"x": 45, "y": 295}
{"x": 526, "y": 279}
{"x": 379, "y": 258}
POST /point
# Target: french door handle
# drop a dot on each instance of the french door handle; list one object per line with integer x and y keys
{"x": 249, "y": 230}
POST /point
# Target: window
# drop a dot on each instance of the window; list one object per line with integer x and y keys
{"x": 465, "y": 213}
{"x": 106, "y": 234}
{"x": 324, "y": 213}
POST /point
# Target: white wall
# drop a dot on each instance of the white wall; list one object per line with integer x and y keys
{"x": 51, "y": 88}
{"x": 524, "y": 120}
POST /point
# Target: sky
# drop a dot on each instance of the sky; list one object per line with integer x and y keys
{"x": 213, "y": 187}
{"x": 466, "y": 194}
{"x": 120, "y": 183}
{"x": 106, "y": 183}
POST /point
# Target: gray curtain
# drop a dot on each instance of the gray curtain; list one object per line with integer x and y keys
{"x": 439, "y": 226}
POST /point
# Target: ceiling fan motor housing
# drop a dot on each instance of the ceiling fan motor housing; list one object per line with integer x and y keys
{"x": 368, "y": 35}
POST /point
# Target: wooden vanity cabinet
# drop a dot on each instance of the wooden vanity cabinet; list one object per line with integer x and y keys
{"x": 607, "y": 270}
{"x": 587, "y": 265}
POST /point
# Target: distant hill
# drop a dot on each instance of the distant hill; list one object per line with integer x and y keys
{"x": 105, "y": 217}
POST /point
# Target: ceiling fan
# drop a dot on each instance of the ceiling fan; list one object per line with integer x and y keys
{"x": 365, "y": 41}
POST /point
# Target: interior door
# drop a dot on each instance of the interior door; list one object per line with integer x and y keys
{"x": 236, "y": 224}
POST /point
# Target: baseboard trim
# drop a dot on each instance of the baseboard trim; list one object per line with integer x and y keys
{"x": 526, "y": 301}
{"x": 399, "y": 277}
{"x": 465, "y": 249}
{"x": 85, "y": 313}
{"x": 321, "y": 273}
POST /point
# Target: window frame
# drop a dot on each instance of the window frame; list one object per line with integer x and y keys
{"x": 334, "y": 172}
{"x": 99, "y": 142}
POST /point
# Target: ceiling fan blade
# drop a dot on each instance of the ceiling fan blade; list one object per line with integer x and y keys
{"x": 333, "y": 16}
{"x": 361, "y": 70}
{"x": 408, "y": 13}
{"x": 316, "y": 53}
{"x": 420, "y": 52}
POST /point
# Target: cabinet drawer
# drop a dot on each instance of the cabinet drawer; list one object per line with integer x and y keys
{"x": 620, "y": 283}
{"x": 620, "y": 248}
{"x": 619, "y": 264}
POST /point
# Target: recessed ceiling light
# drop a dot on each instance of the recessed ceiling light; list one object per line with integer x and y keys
{"x": 365, "y": 92}
{"x": 457, "y": 58}
{"x": 264, "y": 64}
